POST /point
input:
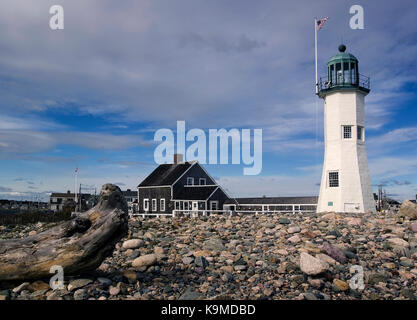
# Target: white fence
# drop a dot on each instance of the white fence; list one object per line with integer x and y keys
{"x": 196, "y": 213}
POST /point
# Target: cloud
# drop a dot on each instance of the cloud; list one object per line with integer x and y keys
{"x": 5, "y": 189}
{"x": 213, "y": 63}
{"x": 393, "y": 166}
{"x": 241, "y": 44}
{"x": 15, "y": 142}
{"x": 178, "y": 65}
{"x": 395, "y": 182}
{"x": 395, "y": 136}
{"x": 270, "y": 186}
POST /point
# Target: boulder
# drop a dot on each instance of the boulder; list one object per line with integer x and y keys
{"x": 408, "y": 209}
{"x": 311, "y": 265}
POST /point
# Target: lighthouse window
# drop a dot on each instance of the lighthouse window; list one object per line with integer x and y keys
{"x": 347, "y": 132}
{"x": 360, "y": 133}
{"x": 333, "y": 179}
{"x": 339, "y": 73}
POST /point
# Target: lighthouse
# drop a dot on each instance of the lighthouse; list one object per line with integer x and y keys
{"x": 345, "y": 183}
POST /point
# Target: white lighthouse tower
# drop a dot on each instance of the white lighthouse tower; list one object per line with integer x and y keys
{"x": 345, "y": 183}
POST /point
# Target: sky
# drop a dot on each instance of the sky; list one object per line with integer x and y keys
{"x": 92, "y": 95}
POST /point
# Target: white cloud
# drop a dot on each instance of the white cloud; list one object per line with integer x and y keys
{"x": 273, "y": 186}
{"x": 14, "y": 142}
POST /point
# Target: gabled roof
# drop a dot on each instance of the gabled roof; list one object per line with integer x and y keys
{"x": 165, "y": 174}
{"x": 274, "y": 200}
{"x": 195, "y": 193}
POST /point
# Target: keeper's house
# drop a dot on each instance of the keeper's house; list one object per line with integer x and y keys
{"x": 179, "y": 186}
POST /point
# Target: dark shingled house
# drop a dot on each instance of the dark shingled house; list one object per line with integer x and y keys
{"x": 179, "y": 186}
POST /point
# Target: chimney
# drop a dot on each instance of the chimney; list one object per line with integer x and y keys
{"x": 178, "y": 158}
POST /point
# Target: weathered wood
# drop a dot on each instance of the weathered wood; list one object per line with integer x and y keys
{"x": 78, "y": 245}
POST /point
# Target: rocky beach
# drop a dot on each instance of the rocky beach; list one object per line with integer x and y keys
{"x": 244, "y": 257}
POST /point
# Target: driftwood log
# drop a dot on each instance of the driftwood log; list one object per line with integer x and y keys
{"x": 78, "y": 245}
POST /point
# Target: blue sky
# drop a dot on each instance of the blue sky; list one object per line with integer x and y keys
{"x": 92, "y": 95}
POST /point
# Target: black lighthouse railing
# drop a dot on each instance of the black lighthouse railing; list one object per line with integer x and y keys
{"x": 358, "y": 81}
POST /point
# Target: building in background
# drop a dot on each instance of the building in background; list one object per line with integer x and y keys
{"x": 132, "y": 201}
{"x": 57, "y": 201}
{"x": 272, "y": 204}
{"x": 180, "y": 186}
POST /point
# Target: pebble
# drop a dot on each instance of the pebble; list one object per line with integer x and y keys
{"x": 133, "y": 244}
{"x": 145, "y": 261}
{"x": 294, "y": 229}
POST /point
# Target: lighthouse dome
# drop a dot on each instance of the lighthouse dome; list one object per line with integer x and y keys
{"x": 342, "y": 55}
{"x": 343, "y": 74}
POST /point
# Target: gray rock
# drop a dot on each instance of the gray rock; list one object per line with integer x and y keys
{"x": 190, "y": 294}
{"x": 309, "y": 296}
{"x": 377, "y": 277}
{"x": 187, "y": 260}
{"x": 78, "y": 283}
{"x": 80, "y": 294}
{"x": 408, "y": 209}
{"x": 201, "y": 262}
{"x": 133, "y": 244}
{"x": 284, "y": 221}
{"x": 215, "y": 244}
{"x": 104, "y": 281}
{"x": 226, "y": 277}
{"x": 350, "y": 255}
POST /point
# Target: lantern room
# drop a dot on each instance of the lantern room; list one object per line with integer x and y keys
{"x": 343, "y": 74}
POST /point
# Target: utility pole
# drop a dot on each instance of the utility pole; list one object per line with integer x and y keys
{"x": 380, "y": 198}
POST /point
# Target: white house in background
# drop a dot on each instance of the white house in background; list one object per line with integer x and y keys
{"x": 57, "y": 200}
{"x": 132, "y": 201}
{"x": 345, "y": 184}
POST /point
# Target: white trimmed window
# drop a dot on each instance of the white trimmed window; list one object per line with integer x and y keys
{"x": 360, "y": 133}
{"x": 214, "y": 205}
{"x": 153, "y": 204}
{"x": 334, "y": 179}
{"x": 146, "y": 204}
{"x": 202, "y": 181}
{"x": 162, "y": 205}
{"x": 190, "y": 181}
{"x": 347, "y": 132}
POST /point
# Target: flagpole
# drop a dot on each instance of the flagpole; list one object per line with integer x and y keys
{"x": 75, "y": 189}
{"x": 315, "y": 55}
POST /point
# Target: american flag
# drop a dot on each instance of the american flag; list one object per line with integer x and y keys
{"x": 76, "y": 170}
{"x": 321, "y": 22}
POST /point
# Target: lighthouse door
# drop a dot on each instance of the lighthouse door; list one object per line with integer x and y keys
{"x": 352, "y": 207}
